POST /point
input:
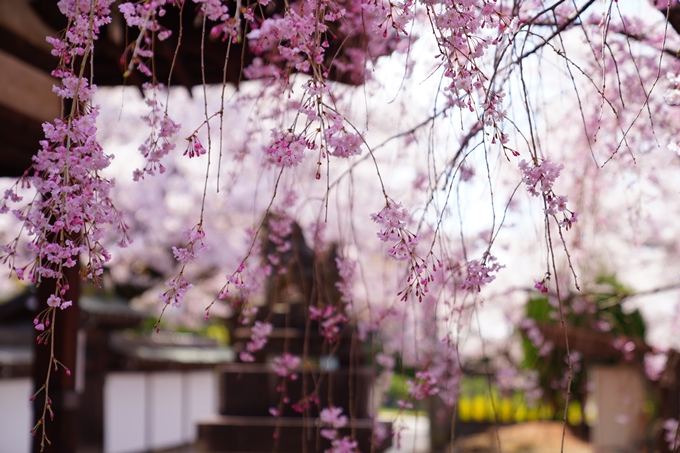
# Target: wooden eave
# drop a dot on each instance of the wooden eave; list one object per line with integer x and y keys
{"x": 200, "y": 59}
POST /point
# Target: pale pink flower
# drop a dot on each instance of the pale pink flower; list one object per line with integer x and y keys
{"x": 332, "y": 416}
{"x": 285, "y": 365}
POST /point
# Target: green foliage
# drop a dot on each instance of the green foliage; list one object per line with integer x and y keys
{"x": 586, "y": 309}
{"x": 601, "y": 307}
{"x": 218, "y": 332}
{"x": 610, "y": 309}
{"x": 398, "y": 388}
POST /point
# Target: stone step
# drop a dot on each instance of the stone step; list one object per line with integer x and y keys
{"x": 251, "y": 389}
{"x": 238, "y": 434}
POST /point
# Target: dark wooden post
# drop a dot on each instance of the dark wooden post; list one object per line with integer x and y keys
{"x": 668, "y": 392}
{"x": 63, "y": 430}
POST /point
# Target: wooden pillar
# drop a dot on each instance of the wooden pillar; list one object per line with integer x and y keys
{"x": 92, "y": 398}
{"x": 62, "y": 431}
{"x": 668, "y": 392}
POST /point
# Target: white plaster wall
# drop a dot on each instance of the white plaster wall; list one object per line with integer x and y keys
{"x": 142, "y": 411}
{"x": 199, "y": 400}
{"x": 164, "y": 410}
{"x": 15, "y": 415}
{"x": 125, "y": 428}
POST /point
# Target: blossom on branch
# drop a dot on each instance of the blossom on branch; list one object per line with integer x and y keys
{"x": 423, "y": 385}
{"x": 480, "y": 272}
{"x": 287, "y": 151}
{"x": 259, "y": 337}
{"x": 285, "y": 365}
{"x": 539, "y": 179}
{"x": 331, "y": 419}
{"x": 163, "y": 129}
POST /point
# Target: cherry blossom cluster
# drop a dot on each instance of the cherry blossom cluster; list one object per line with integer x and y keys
{"x": 287, "y": 150}
{"x": 393, "y": 219}
{"x": 539, "y": 179}
{"x": 143, "y": 15}
{"x": 280, "y": 229}
{"x": 178, "y": 286}
{"x": 85, "y": 20}
{"x": 285, "y": 365}
{"x": 424, "y": 385}
{"x": 243, "y": 290}
{"x": 163, "y": 128}
{"x": 543, "y": 175}
{"x": 331, "y": 419}
{"x": 343, "y": 445}
{"x": 391, "y": 16}
{"x": 328, "y": 125}
{"x": 42, "y": 320}
{"x": 421, "y": 274}
{"x": 174, "y": 296}
{"x": 195, "y": 148}
{"x": 346, "y": 270}
{"x": 337, "y": 141}
{"x": 237, "y": 280}
{"x": 672, "y": 95}
{"x": 541, "y": 286}
{"x": 340, "y": 142}
{"x": 480, "y": 272}
{"x": 492, "y": 118}
{"x": 465, "y": 32}
{"x": 73, "y": 208}
{"x": 260, "y": 332}
{"x": 330, "y": 321}
{"x": 293, "y": 38}
{"x": 194, "y": 238}
{"x": 298, "y": 41}
{"x": 345, "y": 145}
{"x": 670, "y": 434}
{"x": 655, "y": 364}
{"x": 228, "y": 28}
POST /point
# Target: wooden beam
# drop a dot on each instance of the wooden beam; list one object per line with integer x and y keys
{"x": 35, "y": 56}
{"x": 27, "y": 90}
{"x": 19, "y": 18}
{"x": 19, "y": 137}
